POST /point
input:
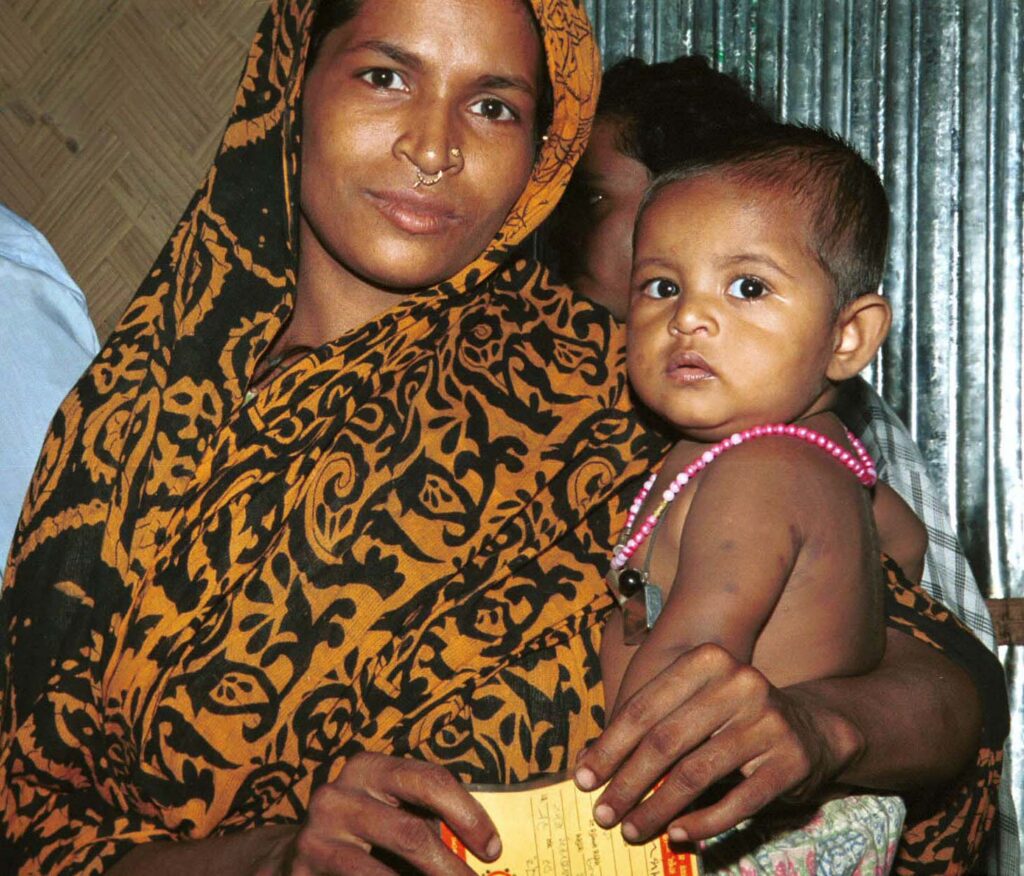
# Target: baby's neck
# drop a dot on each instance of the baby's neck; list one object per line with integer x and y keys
{"x": 824, "y": 420}
{"x": 824, "y": 405}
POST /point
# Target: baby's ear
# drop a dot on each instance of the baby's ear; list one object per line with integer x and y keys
{"x": 860, "y": 329}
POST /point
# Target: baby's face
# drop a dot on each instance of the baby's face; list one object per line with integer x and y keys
{"x": 731, "y": 316}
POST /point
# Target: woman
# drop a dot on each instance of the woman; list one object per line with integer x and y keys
{"x": 234, "y": 576}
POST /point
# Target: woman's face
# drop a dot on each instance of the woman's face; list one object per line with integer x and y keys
{"x": 406, "y": 86}
{"x": 596, "y": 238}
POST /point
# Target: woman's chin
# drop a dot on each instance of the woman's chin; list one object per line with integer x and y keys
{"x": 402, "y": 271}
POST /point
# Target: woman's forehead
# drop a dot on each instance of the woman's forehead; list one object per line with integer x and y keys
{"x": 496, "y": 36}
{"x": 605, "y": 161}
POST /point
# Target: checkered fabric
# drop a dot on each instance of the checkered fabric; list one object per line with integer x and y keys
{"x": 947, "y": 576}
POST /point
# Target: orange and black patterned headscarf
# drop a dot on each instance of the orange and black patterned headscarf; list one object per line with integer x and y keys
{"x": 397, "y": 545}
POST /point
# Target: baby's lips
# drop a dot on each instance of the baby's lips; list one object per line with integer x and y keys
{"x": 689, "y": 359}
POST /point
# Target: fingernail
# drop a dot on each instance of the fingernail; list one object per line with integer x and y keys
{"x": 630, "y": 832}
{"x": 494, "y": 848}
{"x": 678, "y": 835}
{"x": 604, "y": 815}
{"x": 586, "y": 779}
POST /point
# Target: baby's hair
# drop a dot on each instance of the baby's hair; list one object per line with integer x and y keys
{"x": 847, "y": 203}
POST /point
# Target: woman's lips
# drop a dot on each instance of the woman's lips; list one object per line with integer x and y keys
{"x": 414, "y": 213}
{"x": 688, "y": 367}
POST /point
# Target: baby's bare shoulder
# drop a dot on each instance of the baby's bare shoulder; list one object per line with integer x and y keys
{"x": 793, "y": 482}
{"x": 781, "y": 461}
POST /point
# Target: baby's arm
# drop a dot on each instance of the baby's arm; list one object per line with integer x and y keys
{"x": 760, "y": 512}
{"x": 736, "y": 550}
{"x": 901, "y": 535}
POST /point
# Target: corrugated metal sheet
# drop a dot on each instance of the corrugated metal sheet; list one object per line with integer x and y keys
{"x": 931, "y": 91}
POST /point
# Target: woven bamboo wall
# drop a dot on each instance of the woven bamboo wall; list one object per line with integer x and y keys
{"x": 110, "y": 111}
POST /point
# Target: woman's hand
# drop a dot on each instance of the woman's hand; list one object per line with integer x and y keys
{"x": 378, "y": 802}
{"x": 389, "y": 804}
{"x": 706, "y": 716}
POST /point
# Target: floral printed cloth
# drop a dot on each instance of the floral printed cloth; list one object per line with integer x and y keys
{"x": 851, "y": 836}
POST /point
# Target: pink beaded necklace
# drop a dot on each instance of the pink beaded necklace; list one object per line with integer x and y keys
{"x": 861, "y": 464}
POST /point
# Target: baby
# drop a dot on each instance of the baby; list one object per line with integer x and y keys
{"x": 753, "y": 295}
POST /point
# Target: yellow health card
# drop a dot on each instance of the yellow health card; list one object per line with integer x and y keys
{"x": 547, "y": 828}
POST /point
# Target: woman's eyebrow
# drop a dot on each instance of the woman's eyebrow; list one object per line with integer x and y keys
{"x": 395, "y": 53}
{"x": 495, "y": 81}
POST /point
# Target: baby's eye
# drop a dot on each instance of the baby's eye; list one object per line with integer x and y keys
{"x": 660, "y": 288}
{"x": 595, "y": 197}
{"x": 384, "y": 79}
{"x": 494, "y": 110}
{"x": 747, "y": 288}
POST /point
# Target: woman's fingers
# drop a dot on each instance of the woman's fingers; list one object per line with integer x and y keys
{"x": 642, "y": 713}
{"x": 683, "y": 784}
{"x": 769, "y": 773}
{"x": 381, "y": 810}
{"x": 425, "y": 786}
{"x": 742, "y": 802}
{"x": 695, "y": 698}
{"x": 703, "y": 718}
{"x": 345, "y": 824}
{"x": 317, "y": 855}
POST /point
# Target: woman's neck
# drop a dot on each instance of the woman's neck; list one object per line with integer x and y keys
{"x": 329, "y": 299}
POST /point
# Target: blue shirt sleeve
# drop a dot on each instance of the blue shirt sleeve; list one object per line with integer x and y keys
{"x": 46, "y": 341}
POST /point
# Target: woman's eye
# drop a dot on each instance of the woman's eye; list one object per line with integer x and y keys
{"x": 582, "y": 194}
{"x": 384, "y": 79}
{"x": 747, "y": 288}
{"x": 660, "y": 288}
{"x": 494, "y": 110}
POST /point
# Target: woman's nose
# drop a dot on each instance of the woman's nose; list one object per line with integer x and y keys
{"x": 427, "y": 139}
{"x": 693, "y": 315}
